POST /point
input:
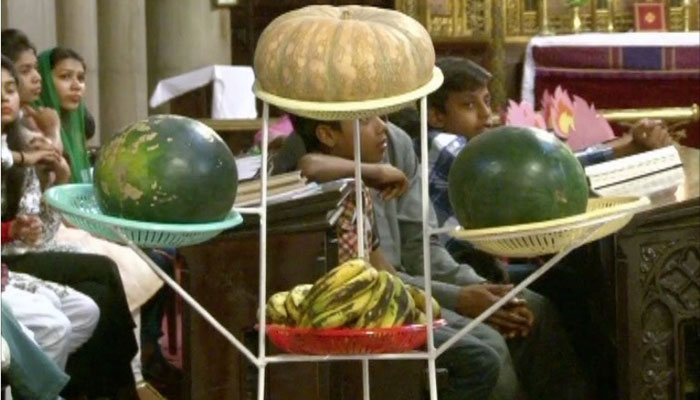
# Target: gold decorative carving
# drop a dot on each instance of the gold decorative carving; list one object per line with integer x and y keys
{"x": 473, "y": 19}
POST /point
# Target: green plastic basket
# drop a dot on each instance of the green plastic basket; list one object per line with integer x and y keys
{"x": 77, "y": 204}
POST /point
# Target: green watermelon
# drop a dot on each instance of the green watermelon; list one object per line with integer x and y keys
{"x": 514, "y": 175}
{"x": 166, "y": 168}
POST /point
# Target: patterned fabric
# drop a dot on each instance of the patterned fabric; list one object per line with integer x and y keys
{"x": 442, "y": 151}
{"x": 31, "y": 203}
{"x": 5, "y": 276}
{"x": 347, "y": 227}
{"x": 31, "y": 284}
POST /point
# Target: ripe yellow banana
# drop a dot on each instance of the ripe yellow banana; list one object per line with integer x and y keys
{"x": 275, "y": 309}
{"x": 343, "y": 293}
{"x": 419, "y": 298}
{"x": 294, "y": 299}
{"x": 378, "y": 304}
{"x": 419, "y": 317}
{"x": 346, "y": 314}
{"x": 333, "y": 278}
{"x": 398, "y": 306}
{"x": 405, "y": 302}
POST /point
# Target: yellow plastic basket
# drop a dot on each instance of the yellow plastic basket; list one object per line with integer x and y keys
{"x": 604, "y": 216}
{"x": 338, "y": 111}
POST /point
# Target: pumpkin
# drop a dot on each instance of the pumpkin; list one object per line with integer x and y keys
{"x": 349, "y": 53}
{"x": 168, "y": 169}
{"x": 515, "y": 175}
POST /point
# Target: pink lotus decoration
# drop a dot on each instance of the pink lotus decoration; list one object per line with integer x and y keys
{"x": 591, "y": 128}
{"x": 523, "y": 115}
{"x": 561, "y": 114}
{"x": 573, "y": 121}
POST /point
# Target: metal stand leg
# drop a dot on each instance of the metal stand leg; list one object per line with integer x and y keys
{"x": 192, "y": 302}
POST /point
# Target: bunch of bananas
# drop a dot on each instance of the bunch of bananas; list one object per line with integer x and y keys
{"x": 352, "y": 294}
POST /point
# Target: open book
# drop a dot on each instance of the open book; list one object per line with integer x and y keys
{"x": 637, "y": 175}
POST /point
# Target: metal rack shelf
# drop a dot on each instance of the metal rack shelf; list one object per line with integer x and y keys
{"x": 261, "y": 360}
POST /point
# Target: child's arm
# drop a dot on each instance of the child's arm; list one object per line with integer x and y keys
{"x": 378, "y": 261}
{"x": 643, "y": 136}
{"x": 390, "y": 181}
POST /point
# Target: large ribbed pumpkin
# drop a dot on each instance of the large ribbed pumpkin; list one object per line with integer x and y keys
{"x": 349, "y": 53}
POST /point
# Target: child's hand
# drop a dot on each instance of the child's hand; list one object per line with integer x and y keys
{"x": 34, "y": 157}
{"x": 524, "y": 331}
{"x": 650, "y": 134}
{"x": 27, "y": 228}
{"x": 514, "y": 319}
{"x": 39, "y": 142}
{"x": 389, "y": 180}
{"x": 52, "y": 161}
{"x": 45, "y": 118}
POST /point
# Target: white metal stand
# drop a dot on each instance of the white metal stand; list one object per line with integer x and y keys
{"x": 261, "y": 360}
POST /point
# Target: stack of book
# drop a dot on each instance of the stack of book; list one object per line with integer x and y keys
{"x": 290, "y": 197}
{"x": 278, "y": 188}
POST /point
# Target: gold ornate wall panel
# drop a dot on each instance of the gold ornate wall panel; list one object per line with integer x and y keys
{"x": 449, "y": 19}
{"x": 472, "y": 20}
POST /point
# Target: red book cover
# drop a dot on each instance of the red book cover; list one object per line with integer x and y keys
{"x": 649, "y": 17}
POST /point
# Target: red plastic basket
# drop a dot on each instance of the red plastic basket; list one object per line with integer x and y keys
{"x": 397, "y": 339}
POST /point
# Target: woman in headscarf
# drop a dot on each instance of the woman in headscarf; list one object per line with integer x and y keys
{"x": 63, "y": 87}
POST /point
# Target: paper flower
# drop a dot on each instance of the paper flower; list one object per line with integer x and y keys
{"x": 573, "y": 121}
{"x": 591, "y": 128}
{"x": 282, "y": 128}
{"x": 561, "y": 114}
{"x": 523, "y": 114}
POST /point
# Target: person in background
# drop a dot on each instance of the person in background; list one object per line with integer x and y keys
{"x": 473, "y": 365}
{"x": 62, "y": 73}
{"x": 530, "y": 325}
{"x": 44, "y": 120}
{"x": 112, "y": 342}
{"x": 459, "y": 111}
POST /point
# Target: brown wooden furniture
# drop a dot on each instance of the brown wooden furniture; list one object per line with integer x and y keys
{"x": 657, "y": 292}
{"x": 223, "y": 275}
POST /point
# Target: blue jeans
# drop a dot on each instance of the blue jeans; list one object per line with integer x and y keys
{"x": 473, "y": 363}
{"x": 543, "y": 365}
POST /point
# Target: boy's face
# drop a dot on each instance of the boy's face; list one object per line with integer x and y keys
{"x": 373, "y": 139}
{"x": 466, "y": 113}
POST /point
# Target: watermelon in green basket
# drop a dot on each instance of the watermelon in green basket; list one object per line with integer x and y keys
{"x": 168, "y": 169}
{"x": 514, "y": 175}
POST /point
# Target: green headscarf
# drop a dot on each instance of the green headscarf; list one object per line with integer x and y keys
{"x": 72, "y": 123}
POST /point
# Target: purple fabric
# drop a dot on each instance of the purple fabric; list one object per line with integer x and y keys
{"x": 643, "y": 58}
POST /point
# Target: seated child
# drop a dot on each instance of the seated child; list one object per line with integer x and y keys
{"x": 457, "y": 287}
